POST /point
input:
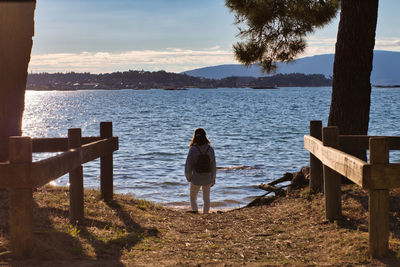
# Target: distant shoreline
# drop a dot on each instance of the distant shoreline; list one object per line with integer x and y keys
{"x": 387, "y": 86}
{"x": 185, "y": 89}
{"x": 144, "y": 89}
{"x": 142, "y": 80}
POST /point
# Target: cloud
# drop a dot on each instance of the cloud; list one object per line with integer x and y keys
{"x": 392, "y": 44}
{"x": 170, "y": 59}
{"x": 217, "y": 47}
{"x": 327, "y": 45}
{"x": 318, "y": 46}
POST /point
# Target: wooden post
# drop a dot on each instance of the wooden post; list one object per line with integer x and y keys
{"x": 75, "y": 181}
{"x": 21, "y": 200}
{"x": 378, "y": 203}
{"x": 316, "y": 181}
{"x": 333, "y": 203}
{"x": 106, "y": 165}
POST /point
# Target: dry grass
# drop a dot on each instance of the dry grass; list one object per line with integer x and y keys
{"x": 291, "y": 231}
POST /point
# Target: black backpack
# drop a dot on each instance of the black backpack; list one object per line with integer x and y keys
{"x": 202, "y": 165}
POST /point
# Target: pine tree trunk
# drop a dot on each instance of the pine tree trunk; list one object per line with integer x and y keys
{"x": 16, "y": 31}
{"x": 351, "y": 89}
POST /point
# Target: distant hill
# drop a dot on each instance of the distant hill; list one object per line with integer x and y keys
{"x": 386, "y": 68}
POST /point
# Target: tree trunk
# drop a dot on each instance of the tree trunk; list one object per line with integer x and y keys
{"x": 16, "y": 31}
{"x": 351, "y": 89}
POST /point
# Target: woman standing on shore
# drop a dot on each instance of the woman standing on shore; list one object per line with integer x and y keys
{"x": 200, "y": 169}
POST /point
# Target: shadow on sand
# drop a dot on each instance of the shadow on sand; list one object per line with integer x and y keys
{"x": 67, "y": 243}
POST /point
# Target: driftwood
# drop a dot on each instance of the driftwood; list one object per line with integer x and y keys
{"x": 287, "y": 177}
{"x": 295, "y": 182}
{"x": 271, "y": 188}
{"x": 279, "y": 191}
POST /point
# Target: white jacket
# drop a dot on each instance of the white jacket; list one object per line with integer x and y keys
{"x": 200, "y": 178}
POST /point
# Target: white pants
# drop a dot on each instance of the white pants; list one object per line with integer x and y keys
{"x": 194, "y": 191}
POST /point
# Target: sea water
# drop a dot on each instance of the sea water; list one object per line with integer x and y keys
{"x": 257, "y": 134}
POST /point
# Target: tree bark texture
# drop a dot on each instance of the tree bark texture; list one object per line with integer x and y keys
{"x": 16, "y": 32}
{"x": 351, "y": 88}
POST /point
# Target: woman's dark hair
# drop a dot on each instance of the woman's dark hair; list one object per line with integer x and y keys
{"x": 199, "y": 137}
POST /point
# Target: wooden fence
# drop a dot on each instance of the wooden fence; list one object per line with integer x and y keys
{"x": 328, "y": 162}
{"x": 20, "y": 176}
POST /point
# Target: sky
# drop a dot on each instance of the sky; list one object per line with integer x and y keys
{"x": 100, "y": 36}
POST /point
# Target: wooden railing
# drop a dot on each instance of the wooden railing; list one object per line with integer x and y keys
{"x": 328, "y": 162}
{"x": 20, "y": 176}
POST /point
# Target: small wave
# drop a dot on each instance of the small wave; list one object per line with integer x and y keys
{"x": 232, "y": 201}
{"x": 158, "y": 153}
{"x": 178, "y": 204}
{"x": 225, "y": 204}
{"x": 164, "y": 184}
{"x": 218, "y": 204}
{"x": 237, "y": 168}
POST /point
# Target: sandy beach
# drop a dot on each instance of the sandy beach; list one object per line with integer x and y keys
{"x": 291, "y": 231}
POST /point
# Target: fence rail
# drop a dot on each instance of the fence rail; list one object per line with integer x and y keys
{"x": 328, "y": 160}
{"x": 20, "y": 176}
{"x": 345, "y": 164}
{"x": 57, "y": 144}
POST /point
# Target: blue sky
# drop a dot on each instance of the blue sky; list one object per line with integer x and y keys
{"x": 173, "y": 35}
